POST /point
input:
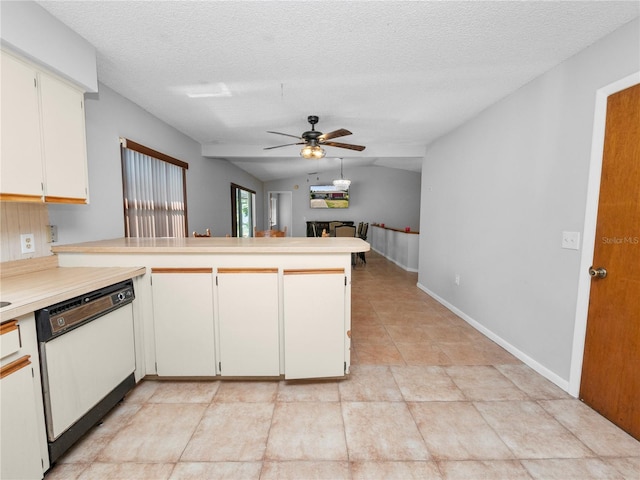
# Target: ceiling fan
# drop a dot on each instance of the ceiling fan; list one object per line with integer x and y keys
{"x": 313, "y": 140}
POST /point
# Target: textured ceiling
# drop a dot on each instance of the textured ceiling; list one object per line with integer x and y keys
{"x": 398, "y": 74}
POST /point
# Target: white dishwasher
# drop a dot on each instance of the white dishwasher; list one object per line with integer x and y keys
{"x": 87, "y": 360}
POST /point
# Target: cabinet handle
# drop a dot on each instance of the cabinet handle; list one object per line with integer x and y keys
{"x": 182, "y": 270}
{"x": 14, "y": 366}
{"x": 315, "y": 271}
{"x": 9, "y": 326}
{"x": 247, "y": 270}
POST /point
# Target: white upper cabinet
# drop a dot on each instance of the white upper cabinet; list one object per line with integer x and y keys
{"x": 43, "y": 136}
{"x": 63, "y": 137}
{"x": 21, "y": 160}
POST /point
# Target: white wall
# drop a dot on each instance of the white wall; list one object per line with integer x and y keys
{"x": 497, "y": 194}
{"x": 110, "y": 116}
{"x": 377, "y": 194}
{"x": 30, "y": 30}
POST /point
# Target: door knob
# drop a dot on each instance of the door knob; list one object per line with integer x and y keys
{"x": 597, "y": 272}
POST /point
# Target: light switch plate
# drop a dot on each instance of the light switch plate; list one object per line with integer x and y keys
{"x": 571, "y": 240}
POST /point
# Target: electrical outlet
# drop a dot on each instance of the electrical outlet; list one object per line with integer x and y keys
{"x": 27, "y": 244}
{"x": 571, "y": 240}
{"x": 457, "y": 279}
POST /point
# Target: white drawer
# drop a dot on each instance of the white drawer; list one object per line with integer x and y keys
{"x": 9, "y": 338}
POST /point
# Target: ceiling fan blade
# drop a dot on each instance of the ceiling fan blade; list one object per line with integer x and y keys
{"x": 285, "y": 145}
{"x": 286, "y": 135}
{"x": 345, "y": 145}
{"x": 335, "y": 134}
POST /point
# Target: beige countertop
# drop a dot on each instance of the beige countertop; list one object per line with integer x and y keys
{"x": 220, "y": 245}
{"x": 31, "y": 291}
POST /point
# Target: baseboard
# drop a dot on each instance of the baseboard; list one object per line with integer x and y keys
{"x": 541, "y": 369}
{"x": 404, "y": 267}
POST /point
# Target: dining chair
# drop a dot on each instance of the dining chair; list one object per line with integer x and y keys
{"x": 270, "y": 233}
{"x": 363, "y": 236}
{"x": 206, "y": 234}
{"x": 332, "y": 228}
{"x": 345, "y": 231}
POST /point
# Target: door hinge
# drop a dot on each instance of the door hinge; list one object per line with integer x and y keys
{"x": 216, "y": 280}
{"x": 220, "y": 366}
{"x": 33, "y": 375}
{"x": 35, "y": 82}
{"x": 156, "y": 364}
{"x": 345, "y": 368}
{"x": 345, "y": 281}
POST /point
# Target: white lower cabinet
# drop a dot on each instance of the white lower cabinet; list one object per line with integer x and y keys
{"x": 183, "y": 321}
{"x": 314, "y": 323}
{"x": 23, "y": 446}
{"x": 20, "y": 447}
{"x": 248, "y": 321}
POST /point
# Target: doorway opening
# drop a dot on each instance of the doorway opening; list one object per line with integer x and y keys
{"x": 280, "y": 211}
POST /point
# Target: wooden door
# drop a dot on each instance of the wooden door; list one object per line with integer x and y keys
{"x": 611, "y": 367}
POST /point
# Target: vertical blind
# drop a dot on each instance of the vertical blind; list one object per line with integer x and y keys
{"x": 154, "y": 196}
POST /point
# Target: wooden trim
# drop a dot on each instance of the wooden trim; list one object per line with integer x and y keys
{"x": 184, "y": 198}
{"x": 9, "y": 326}
{"x": 127, "y": 232}
{"x": 72, "y": 201}
{"x": 17, "y": 197}
{"x": 29, "y": 265}
{"x": 235, "y": 185}
{"x": 14, "y": 366}
{"x": 131, "y": 145}
{"x": 411, "y": 232}
{"x": 182, "y": 270}
{"x": 314, "y": 271}
{"x": 247, "y": 270}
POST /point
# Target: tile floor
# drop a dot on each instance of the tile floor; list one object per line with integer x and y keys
{"x": 428, "y": 398}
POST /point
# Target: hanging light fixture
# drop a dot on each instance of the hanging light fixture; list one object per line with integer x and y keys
{"x": 312, "y": 150}
{"x": 341, "y": 183}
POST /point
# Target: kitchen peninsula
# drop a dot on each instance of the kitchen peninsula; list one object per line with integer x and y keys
{"x": 235, "y": 307}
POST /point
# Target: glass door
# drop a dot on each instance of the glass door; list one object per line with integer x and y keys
{"x": 243, "y": 204}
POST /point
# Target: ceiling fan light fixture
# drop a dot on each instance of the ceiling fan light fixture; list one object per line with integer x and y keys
{"x": 312, "y": 152}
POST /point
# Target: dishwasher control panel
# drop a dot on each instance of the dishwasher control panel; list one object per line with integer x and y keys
{"x": 61, "y": 317}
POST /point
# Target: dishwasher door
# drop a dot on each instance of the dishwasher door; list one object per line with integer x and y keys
{"x": 84, "y": 365}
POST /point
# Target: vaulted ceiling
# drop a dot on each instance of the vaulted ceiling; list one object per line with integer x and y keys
{"x": 398, "y": 74}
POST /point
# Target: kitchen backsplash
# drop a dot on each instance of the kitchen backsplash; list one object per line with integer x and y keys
{"x": 18, "y": 219}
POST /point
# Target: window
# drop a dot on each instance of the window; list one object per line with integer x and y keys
{"x": 154, "y": 192}
{"x": 243, "y": 203}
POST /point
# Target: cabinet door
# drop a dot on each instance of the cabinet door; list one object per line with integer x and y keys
{"x": 63, "y": 136}
{"x": 248, "y": 319}
{"x": 21, "y": 157}
{"x": 20, "y": 443}
{"x": 314, "y": 323}
{"x": 183, "y": 321}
